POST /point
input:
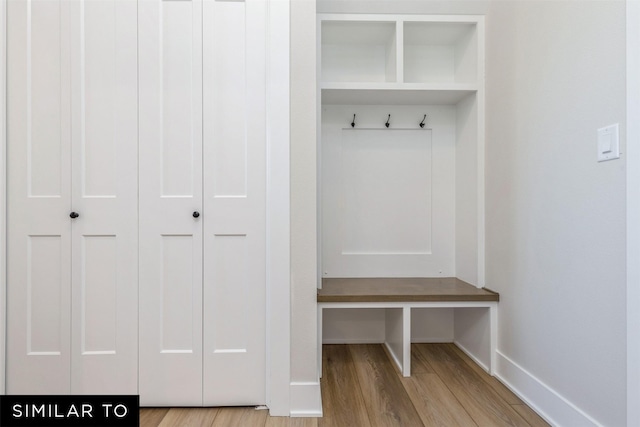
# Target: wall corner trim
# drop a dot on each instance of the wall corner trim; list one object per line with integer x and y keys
{"x": 548, "y": 403}
{"x": 278, "y": 209}
{"x": 306, "y": 399}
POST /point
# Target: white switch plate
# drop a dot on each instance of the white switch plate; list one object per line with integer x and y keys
{"x": 608, "y": 143}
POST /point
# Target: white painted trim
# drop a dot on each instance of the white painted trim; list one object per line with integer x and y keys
{"x": 471, "y": 356}
{"x": 306, "y": 399}
{"x": 278, "y": 210}
{"x": 319, "y": 216}
{"x": 412, "y": 304}
{"x": 481, "y": 151}
{"x": 352, "y": 341}
{"x": 633, "y": 213}
{"x": 388, "y": 17}
{"x": 395, "y": 358}
{"x": 3, "y": 190}
{"x": 433, "y": 340}
{"x": 559, "y": 411}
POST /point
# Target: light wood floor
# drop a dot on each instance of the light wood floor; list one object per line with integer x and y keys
{"x": 361, "y": 387}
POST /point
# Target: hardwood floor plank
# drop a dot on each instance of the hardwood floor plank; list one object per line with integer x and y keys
{"x": 342, "y": 400}
{"x": 240, "y": 417}
{"x": 481, "y": 401}
{"x": 152, "y": 417}
{"x": 435, "y": 403}
{"x": 303, "y": 422}
{"x": 278, "y": 422}
{"x": 189, "y": 417}
{"x": 500, "y": 388}
{"x": 385, "y": 398}
{"x": 419, "y": 364}
{"x": 291, "y": 422}
{"x": 530, "y": 416}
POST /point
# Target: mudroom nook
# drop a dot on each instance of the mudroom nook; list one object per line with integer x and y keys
{"x": 321, "y": 213}
{"x": 401, "y": 113}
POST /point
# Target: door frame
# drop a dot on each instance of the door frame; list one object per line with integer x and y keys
{"x": 278, "y": 272}
{"x": 633, "y": 211}
{"x": 277, "y": 247}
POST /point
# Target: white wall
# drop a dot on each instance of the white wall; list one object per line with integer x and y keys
{"x": 633, "y": 213}
{"x": 3, "y": 210}
{"x": 555, "y": 217}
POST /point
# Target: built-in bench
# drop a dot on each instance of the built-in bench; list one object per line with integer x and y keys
{"x": 398, "y": 296}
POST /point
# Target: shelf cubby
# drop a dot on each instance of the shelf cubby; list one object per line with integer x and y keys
{"x": 440, "y": 52}
{"x": 357, "y": 51}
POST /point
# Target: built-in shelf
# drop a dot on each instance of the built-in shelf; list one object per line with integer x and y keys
{"x": 440, "y": 52}
{"x": 401, "y": 50}
{"x": 359, "y": 51}
{"x": 394, "y": 93}
{"x": 401, "y": 183}
{"x": 401, "y": 141}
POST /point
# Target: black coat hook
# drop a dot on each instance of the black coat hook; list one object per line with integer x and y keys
{"x": 422, "y": 123}
{"x": 353, "y": 123}
{"x": 388, "y": 118}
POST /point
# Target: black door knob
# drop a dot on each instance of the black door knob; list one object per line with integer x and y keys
{"x": 74, "y": 215}
{"x": 196, "y": 214}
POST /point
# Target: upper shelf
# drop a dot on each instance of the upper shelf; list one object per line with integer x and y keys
{"x": 395, "y": 93}
{"x": 359, "y": 51}
{"x": 421, "y": 52}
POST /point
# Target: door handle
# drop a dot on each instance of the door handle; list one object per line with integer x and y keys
{"x": 196, "y": 214}
{"x": 74, "y": 215}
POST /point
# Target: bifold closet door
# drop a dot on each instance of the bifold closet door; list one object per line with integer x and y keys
{"x": 235, "y": 188}
{"x": 202, "y": 148}
{"x": 170, "y": 73}
{"x": 104, "y": 192}
{"x": 39, "y": 198}
{"x": 72, "y": 119}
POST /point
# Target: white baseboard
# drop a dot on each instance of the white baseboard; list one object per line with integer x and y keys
{"x": 548, "y": 403}
{"x": 306, "y": 399}
{"x": 432, "y": 340}
{"x": 351, "y": 341}
{"x": 472, "y": 356}
{"x": 394, "y": 356}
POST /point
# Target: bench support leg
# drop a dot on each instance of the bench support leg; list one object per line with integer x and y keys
{"x": 398, "y": 337}
{"x": 319, "y": 355}
{"x": 493, "y": 338}
{"x": 406, "y": 342}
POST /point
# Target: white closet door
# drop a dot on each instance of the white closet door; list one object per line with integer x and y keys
{"x": 104, "y": 67}
{"x": 170, "y": 78}
{"x": 39, "y": 202}
{"x": 73, "y": 147}
{"x": 234, "y": 180}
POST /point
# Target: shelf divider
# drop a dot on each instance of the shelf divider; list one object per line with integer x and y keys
{"x": 400, "y": 51}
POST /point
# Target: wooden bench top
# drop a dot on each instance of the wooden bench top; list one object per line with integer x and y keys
{"x": 402, "y": 290}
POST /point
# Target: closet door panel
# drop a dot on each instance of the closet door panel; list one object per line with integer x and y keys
{"x": 234, "y": 180}
{"x": 170, "y": 76}
{"x": 39, "y": 251}
{"x": 104, "y": 192}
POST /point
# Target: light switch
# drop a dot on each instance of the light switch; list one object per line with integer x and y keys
{"x": 608, "y": 143}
